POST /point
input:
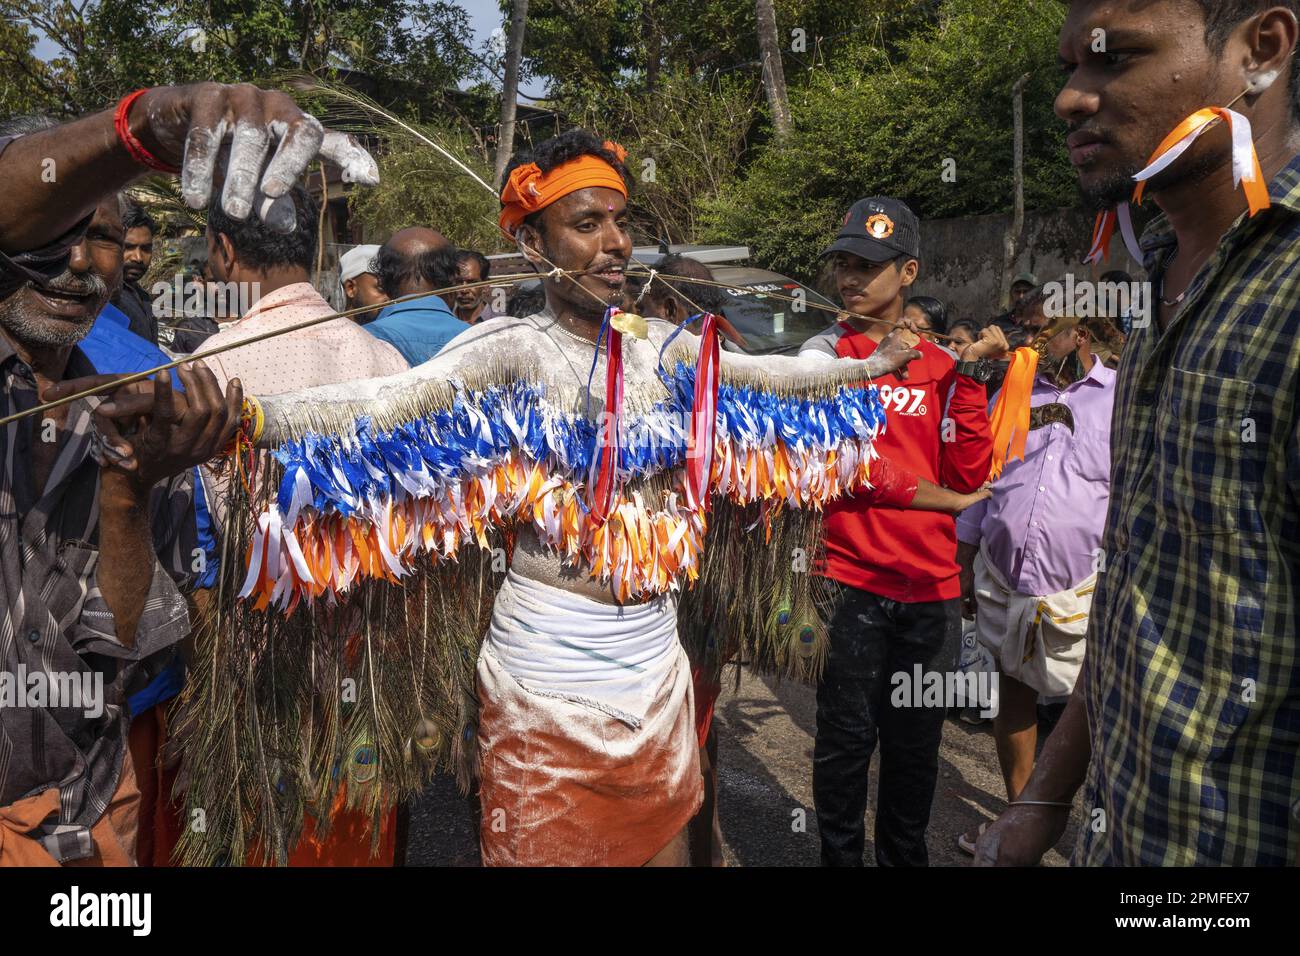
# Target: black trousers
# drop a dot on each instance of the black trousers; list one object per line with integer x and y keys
{"x": 871, "y": 639}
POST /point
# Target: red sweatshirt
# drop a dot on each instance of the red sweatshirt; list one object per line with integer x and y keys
{"x": 911, "y": 556}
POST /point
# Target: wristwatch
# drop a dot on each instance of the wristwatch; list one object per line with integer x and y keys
{"x": 981, "y": 370}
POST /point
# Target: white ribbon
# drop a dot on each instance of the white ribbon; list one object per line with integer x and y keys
{"x": 255, "y": 565}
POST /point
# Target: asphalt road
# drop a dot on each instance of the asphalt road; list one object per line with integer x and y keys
{"x": 765, "y": 732}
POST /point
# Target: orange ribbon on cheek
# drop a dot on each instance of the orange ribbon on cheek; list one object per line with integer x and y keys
{"x": 1246, "y": 171}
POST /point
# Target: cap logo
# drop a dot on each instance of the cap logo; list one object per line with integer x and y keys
{"x": 880, "y": 226}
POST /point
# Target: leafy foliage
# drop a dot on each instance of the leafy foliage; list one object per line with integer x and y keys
{"x": 28, "y": 85}
{"x": 872, "y": 125}
{"x": 684, "y": 141}
{"x": 882, "y": 92}
{"x": 418, "y": 187}
{"x": 427, "y": 170}
{"x": 110, "y": 47}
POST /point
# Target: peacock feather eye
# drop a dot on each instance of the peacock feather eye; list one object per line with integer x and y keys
{"x": 807, "y": 646}
{"x": 426, "y": 735}
{"x": 365, "y": 764}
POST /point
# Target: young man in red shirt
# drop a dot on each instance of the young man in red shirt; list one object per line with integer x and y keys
{"x": 899, "y": 602}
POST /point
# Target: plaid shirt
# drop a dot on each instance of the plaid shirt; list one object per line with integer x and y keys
{"x": 54, "y": 619}
{"x": 1193, "y": 666}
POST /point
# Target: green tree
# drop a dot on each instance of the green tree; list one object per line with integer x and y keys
{"x": 430, "y": 173}
{"x": 29, "y": 86}
{"x": 417, "y": 187}
{"x": 109, "y": 47}
{"x": 874, "y": 123}
{"x": 685, "y": 140}
{"x": 584, "y": 49}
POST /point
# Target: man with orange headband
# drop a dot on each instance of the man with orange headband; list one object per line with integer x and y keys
{"x": 1185, "y": 721}
{"x": 617, "y": 756}
{"x": 568, "y": 208}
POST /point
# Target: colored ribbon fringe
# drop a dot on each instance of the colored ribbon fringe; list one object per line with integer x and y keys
{"x": 704, "y": 405}
{"x": 1246, "y": 173}
{"x": 370, "y": 504}
{"x": 608, "y": 436}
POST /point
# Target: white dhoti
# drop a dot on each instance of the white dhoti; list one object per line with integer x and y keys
{"x": 1035, "y": 639}
{"x": 586, "y": 730}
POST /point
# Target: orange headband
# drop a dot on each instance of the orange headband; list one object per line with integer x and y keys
{"x": 529, "y": 189}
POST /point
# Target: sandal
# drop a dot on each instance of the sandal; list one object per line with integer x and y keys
{"x": 966, "y": 844}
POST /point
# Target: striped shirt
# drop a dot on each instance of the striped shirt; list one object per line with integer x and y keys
{"x": 1193, "y": 665}
{"x": 54, "y": 620}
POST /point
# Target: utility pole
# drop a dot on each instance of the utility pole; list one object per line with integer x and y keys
{"x": 1011, "y": 241}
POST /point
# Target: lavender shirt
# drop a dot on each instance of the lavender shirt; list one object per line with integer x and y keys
{"x": 1042, "y": 527}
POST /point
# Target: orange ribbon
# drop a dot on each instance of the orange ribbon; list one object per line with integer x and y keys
{"x": 1010, "y": 419}
{"x": 1246, "y": 172}
{"x": 1254, "y": 186}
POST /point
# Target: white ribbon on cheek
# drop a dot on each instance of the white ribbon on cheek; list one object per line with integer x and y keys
{"x": 1172, "y": 154}
{"x": 1243, "y": 166}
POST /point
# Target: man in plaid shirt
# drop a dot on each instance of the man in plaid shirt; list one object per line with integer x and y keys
{"x": 1186, "y": 720}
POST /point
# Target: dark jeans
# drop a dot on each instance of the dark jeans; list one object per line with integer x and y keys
{"x": 871, "y": 639}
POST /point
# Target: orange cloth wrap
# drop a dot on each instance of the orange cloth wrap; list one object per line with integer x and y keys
{"x": 1009, "y": 421}
{"x": 529, "y": 190}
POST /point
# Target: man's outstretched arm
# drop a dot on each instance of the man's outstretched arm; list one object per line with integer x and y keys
{"x": 1023, "y": 833}
{"x": 54, "y": 178}
{"x": 900, "y": 488}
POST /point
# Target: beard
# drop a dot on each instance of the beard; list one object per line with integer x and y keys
{"x": 1117, "y": 186}
{"x": 23, "y": 318}
{"x": 1108, "y": 192}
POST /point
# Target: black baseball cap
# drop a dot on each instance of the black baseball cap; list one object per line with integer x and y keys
{"x": 879, "y": 229}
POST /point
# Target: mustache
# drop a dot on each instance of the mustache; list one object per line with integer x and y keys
{"x": 70, "y": 283}
{"x": 1100, "y": 132}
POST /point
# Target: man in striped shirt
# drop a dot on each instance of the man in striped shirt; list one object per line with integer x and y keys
{"x": 97, "y": 531}
{"x": 96, "y": 515}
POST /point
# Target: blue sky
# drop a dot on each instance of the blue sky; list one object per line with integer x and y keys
{"x": 484, "y": 17}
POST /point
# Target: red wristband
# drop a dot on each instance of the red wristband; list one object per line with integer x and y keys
{"x": 129, "y": 140}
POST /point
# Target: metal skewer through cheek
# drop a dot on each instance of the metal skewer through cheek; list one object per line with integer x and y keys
{"x": 207, "y": 353}
{"x": 838, "y": 310}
